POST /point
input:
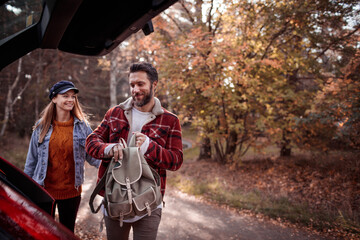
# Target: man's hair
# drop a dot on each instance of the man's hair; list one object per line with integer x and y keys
{"x": 145, "y": 67}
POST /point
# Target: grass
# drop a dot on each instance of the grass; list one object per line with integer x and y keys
{"x": 14, "y": 150}
{"x": 191, "y": 153}
{"x": 194, "y": 151}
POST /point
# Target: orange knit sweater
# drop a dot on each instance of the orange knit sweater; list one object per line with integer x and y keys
{"x": 60, "y": 176}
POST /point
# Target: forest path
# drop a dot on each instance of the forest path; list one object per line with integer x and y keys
{"x": 187, "y": 217}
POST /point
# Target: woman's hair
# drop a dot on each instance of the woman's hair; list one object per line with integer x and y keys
{"x": 48, "y": 115}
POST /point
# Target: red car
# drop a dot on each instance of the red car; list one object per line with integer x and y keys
{"x": 21, "y": 216}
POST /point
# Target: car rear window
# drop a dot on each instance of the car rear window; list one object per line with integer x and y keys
{"x": 17, "y": 15}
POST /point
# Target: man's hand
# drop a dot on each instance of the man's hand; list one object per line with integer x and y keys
{"x": 116, "y": 152}
{"x": 139, "y": 139}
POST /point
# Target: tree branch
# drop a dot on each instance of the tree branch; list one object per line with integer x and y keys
{"x": 187, "y": 12}
{"x": 275, "y": 36}
{"x": 176, "y": 23}
{"x": 338, "y": 40}
{"x": 210, "y": 16}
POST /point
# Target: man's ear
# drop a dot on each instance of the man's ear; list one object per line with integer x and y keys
{"x": 154, "y": 84}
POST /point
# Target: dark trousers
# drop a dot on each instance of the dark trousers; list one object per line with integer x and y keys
{"x": 143, "y": 229}
{"x": 68, "y": 209}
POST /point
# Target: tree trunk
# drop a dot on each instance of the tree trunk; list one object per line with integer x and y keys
{"x": 220, "y": 155}
{"x": 113, "y": 92}
{"x": 205, "y": 149}
{"x": 9, "y": 100}
{"x": 285, "y": 150}
{"x": 231, "y": 143}
{"x": 38, "y": 80}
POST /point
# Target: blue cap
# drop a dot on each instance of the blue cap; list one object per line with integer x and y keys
{"x": 62, "y": 87}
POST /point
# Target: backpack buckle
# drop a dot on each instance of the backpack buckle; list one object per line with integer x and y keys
{"x": 129, "y": 190}
{"x": 148, "y": 208}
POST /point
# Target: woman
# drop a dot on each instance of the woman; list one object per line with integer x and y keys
{"x": 56, "y": 153}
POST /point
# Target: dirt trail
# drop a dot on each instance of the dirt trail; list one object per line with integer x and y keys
{"x": 186, "y": 217}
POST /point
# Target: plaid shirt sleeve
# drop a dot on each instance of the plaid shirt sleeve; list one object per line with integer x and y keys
{"x": 98, "y": 140}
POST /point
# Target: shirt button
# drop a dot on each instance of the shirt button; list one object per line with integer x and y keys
{"x": 114, "y": 129}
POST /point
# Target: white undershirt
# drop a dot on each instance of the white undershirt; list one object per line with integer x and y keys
{"x": 138, "y": 120}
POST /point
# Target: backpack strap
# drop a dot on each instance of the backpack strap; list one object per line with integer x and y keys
{"x": 99, "y": 186}
{"x": 123, "y": 143}
{"x": 132, "y": 142}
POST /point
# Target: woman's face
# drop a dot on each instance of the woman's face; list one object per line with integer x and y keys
{"x": 65, "y": 101}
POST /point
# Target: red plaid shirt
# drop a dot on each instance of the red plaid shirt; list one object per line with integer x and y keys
{"x": 164, "y": 132}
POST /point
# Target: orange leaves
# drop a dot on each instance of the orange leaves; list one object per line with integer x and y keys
{"x": 272, "y": 63}
{"x": 104, "y": 63}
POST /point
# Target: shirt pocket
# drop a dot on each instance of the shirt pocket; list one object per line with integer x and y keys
{"x": 117, "y": 129}
{"x": 159, "y": 135}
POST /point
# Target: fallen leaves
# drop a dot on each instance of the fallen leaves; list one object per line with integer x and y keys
{"x": 322, "y": 187}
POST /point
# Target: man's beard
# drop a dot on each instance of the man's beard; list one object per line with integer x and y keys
{"x": 146, "y": 99}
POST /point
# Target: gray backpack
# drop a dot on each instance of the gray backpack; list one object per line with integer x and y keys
{"x": 132, "y": 187}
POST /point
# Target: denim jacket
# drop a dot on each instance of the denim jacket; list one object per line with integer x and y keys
{"x": 37, "y": 157}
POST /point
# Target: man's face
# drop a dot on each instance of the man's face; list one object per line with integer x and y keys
{"x": 142, "y": 90}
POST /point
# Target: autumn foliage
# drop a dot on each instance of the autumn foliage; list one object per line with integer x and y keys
{"x": 251, "y": 73}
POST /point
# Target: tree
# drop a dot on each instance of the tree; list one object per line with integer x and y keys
{"x": 251, "y": 69}
{"x": 10, "y": 101}
{"x": 333, "y": 122}
{"x": 188, "y": 49}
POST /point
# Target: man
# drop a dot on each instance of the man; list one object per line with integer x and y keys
{"x": 158, "y": 134}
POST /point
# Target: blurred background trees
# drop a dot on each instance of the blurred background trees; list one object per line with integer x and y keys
{"x": 251, "y": 73}
{"x": 244, "y": 74}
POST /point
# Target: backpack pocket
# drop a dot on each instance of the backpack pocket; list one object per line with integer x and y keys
{"x": 116, "y": 210}
{"x": 144, "y": 203}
